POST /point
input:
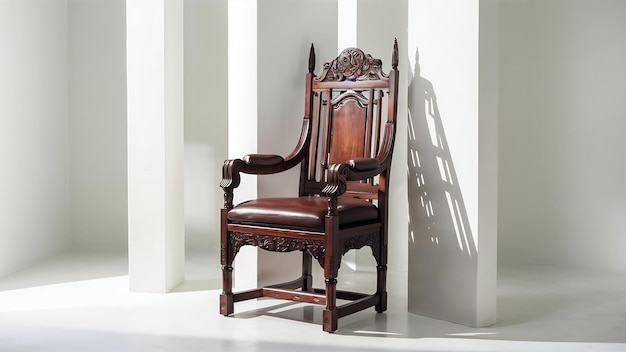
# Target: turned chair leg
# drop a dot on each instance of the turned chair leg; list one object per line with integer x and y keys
{"x": 307, "y": 269}
{"x": 381, "y": 287}
{"x": 227, "y": 302}
{"x": 329, "y": 315}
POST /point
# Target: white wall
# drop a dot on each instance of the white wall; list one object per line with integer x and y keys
{"x": 34, "y": 203}
{"x": 206, "y": 120}
{"x": 97, "y": 123}
{"x": 562, "y": 123}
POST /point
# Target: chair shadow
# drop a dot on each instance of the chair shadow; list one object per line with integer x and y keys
{"x": 441, "y": 242}
{"x": 436, "y": 207}
{"x": 439, "y": 226}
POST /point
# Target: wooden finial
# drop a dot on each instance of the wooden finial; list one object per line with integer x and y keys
{"x": 312, "y": 59}
{"x": 394, "y": 57}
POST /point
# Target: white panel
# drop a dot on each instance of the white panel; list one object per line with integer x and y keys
{"x": 174, "y": 144}
{"x": 34, "y": 150}
{"x": 447, "y": 280}
{"x": 155, "y": 140}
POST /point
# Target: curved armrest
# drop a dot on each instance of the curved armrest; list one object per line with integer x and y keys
{"x": 364, "y": 164}
{"x": 355, "y": 169}
{"x": 256, "y": 164}
{"x": 262, "y": 164}
{"x": 263, "y": 159}
{"x": 336, "y": 180}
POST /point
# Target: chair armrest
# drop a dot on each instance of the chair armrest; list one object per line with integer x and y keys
{"x": 364, "y": 164}
{"x": 250, "y": 164}
{"x": 262, "y": 164}
{"x": 263, "y": 159}
{"x": 355, "y": 169}
{"x": 255, "y": 164}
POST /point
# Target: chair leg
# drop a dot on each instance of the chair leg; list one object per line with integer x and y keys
{"x": 329, "y": 315}
{"x": 381, "y": 287}
{"x": 227, "y": 302}
{"x": 307, "y": 269}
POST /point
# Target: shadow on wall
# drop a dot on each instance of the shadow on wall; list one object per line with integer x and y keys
{"x": 442, "y": 251}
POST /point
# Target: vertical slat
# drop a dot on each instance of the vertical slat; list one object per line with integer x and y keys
{"x": 309, "y": 108}
{"x": 314, "y": 137}
{"x": 320, "y": 136}
{"x": 368, "y": 125}
{"x": 328, "y": 124}
{"x": 379, "y": 118}
{"x": 377, "y": 102}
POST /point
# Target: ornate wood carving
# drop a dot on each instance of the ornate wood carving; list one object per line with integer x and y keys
{"x": 313, "y": 247}
{"x": 277, "y": 244}
{"x": 368, "y": 239}
{"x": 352, "y": 65}
{"x": 350, "y": 96}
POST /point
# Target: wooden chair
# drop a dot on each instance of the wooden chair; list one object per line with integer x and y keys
{"x": 344, "y": 154}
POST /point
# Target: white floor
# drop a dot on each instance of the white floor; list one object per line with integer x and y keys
{"x": 79, "y": 301}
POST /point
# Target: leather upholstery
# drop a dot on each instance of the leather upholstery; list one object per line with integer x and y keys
{"x": 263, "y": 159}
{"x": 301, "y": 212}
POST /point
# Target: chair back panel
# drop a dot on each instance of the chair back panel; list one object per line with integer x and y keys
{"x": 348, "y": 132}
{"x": 348, "y": 101}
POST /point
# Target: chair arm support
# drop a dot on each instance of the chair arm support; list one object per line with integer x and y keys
{"x": 336, "y": 180}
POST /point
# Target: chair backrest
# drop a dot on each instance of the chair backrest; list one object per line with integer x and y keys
{"x": 352, "y": 108}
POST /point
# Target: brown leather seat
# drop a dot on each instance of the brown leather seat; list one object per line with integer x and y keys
{"x": 304, "y": 212}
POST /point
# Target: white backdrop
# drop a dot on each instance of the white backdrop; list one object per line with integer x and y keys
{"x": 562, "y": 123}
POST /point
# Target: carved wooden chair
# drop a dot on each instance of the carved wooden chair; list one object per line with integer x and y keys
{"x": 344, "y": 154}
